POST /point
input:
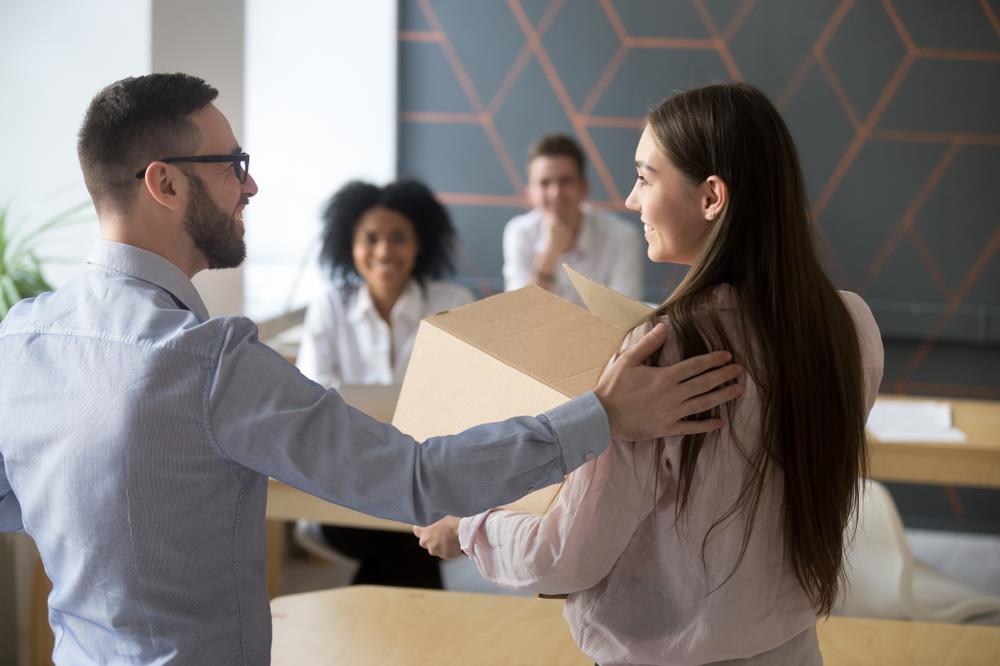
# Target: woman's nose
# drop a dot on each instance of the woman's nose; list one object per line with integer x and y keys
{"x": 631, "y": 201}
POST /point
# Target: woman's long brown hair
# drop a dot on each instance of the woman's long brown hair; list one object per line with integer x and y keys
{"x": 798, "y": 341}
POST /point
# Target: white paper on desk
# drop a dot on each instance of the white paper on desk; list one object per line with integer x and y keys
{"x": 913, "y": 421}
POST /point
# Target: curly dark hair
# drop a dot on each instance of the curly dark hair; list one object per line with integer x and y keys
{"x": 411, "y": 199}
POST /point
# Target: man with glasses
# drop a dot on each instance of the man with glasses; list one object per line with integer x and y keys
{"x": 139, "y": 432}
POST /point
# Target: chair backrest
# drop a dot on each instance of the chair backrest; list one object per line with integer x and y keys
{"x": 879, "y": 562}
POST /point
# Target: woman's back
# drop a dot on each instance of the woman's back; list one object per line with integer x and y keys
{"x": 641, "y": 588}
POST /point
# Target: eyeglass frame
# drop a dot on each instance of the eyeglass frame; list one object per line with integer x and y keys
{"x": 234, "y": 158}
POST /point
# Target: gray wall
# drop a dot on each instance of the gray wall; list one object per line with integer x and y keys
{"x": 895, "y": 108}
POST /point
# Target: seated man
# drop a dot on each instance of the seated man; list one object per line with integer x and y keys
{"x": 561, "y": 228}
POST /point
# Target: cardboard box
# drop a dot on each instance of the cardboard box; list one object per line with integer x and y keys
{"x": 516, "y": 353}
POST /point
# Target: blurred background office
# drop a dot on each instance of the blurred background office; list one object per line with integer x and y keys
{"x": 894, "y": 104}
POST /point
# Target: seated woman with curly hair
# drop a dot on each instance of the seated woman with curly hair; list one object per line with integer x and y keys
{"x": 386, "y": 249}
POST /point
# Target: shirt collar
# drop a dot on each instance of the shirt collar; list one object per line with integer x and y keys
{"x": 407, "y": 308}
{"x": 149, "y": 267}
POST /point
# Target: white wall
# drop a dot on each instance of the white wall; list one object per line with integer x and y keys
{"x": 54, "y": 56}
{"x": 320, "y": 110}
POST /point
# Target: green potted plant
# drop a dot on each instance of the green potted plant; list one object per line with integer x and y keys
{"x": 20, "y": 266}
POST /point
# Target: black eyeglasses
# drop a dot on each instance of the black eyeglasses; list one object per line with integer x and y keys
{"x": 240, "y": 162}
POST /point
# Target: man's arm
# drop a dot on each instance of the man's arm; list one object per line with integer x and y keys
{"x": 263, "y": 414}
{"x": 10, "y": 508}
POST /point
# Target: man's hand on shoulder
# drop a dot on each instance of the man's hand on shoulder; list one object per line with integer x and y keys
{"x": 645, "y": 402}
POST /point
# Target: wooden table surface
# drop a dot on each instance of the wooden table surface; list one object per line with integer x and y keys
{"x": 382, "y": 625}
{"x": 975, "y": 462}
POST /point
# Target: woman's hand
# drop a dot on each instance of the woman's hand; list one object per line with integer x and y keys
{"x": 440, "y": 538}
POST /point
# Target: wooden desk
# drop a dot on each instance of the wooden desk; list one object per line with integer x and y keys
{"x": 975, "y": 462}
{"x": 383, "y": 625}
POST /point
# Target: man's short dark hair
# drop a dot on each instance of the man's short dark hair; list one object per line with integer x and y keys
{"x": 133, "y": 122}
{"x": 559, "y": 145}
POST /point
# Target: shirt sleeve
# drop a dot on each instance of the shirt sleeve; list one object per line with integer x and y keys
{"x": 627, "y": 273}
{"x": 317, "y": 357}
{"x": 518, "y": 257}
{"x": 10, "y": 508}
{"x": 870, "y": 344}
{"x": 263, "y": 414}
{"x": 575, "y": 544}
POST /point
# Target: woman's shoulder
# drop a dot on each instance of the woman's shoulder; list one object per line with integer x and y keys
{"x": 721, "y": 301}
{"x": 864, "y": 321}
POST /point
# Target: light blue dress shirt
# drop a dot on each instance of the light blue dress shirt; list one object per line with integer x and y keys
{"x": 136, "y": 438}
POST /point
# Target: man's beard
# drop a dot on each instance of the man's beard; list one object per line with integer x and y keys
{"x": 211, "y": 230}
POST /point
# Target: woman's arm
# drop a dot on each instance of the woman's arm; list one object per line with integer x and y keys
{"x": 574, "y": 545}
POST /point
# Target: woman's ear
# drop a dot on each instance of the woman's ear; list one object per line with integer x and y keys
{"x": 715, "y": 197}
{"x": 163, "y": 185}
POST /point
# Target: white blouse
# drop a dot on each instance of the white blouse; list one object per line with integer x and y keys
{"x": 345, "y": 341}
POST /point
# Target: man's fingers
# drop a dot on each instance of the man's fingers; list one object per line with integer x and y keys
{"x": 706, "y": 382}
{"x": 707, "y": 401}
{"x": 646, "y": 346}
{"x": 695, "y": 427}
{"x": 696, "y": 365}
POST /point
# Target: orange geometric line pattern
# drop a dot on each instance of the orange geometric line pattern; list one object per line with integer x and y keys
{"x": 958, "y": 54}
{"x": 906, "y": 222}
{"x": 991, "y": 15}
{"x": 737, "y": 21}
{"x": 818, "y": 48}
{"x": 523, "y": 57}
{"x": 442, "y": 118}
{"x": 535, "y": 42}
{"x": 469, "y": 199}
{"x": 470, "y": 91}
{"x": 932, "y": 268}
{"x": 862, "y": 134}
{"x": 420, "y": 36}
{"x": 605, "y": 80}
{"x": 838, "y": 91}
{"x": 967, "y": 283}
{"x": 718, "y": 43}
{"x": 910, "y": 136}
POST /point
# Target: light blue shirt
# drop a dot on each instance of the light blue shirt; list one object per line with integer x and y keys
{"x": 136, "y": 438}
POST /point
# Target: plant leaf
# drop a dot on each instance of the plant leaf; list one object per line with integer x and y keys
{"x": 10, "y": 290}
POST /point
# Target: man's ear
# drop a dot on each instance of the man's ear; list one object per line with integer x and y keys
{"x": 714, "y": 197}
{"x": 165, "y": 185}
